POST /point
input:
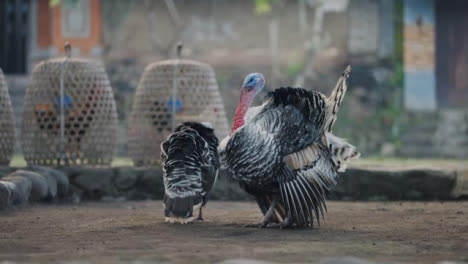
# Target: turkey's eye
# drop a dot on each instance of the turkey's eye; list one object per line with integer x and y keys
{"x": 250, "y": 88}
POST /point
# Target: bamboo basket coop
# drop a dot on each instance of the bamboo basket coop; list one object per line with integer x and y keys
{"x": 7, "y": 124}
{"x": 186, "y": 87}
{"x": 76, "y": 125}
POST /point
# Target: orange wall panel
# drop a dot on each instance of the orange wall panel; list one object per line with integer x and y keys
{"x": 84, "y": 44}
{"x": 44, "y": 29}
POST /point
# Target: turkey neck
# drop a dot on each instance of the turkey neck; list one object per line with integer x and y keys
{"x": 241, "y": 110}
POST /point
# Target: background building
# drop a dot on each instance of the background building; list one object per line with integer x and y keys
{"x": 408, "y": 91}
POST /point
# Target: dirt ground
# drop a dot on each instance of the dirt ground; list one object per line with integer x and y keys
{"x": 408, "y": 232}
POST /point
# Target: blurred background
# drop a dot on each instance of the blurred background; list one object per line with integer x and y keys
{"x": 408, "y": 90}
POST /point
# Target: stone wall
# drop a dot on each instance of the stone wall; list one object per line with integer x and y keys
{"x": 18, "y": 187}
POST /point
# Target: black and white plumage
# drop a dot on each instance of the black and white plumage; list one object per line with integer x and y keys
{"x": 283, "y": 152}
{"x": 190, "y": 163}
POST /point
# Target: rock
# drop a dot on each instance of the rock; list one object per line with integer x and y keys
{"x": 95, "y": 183}
{"x": 5, "y": 196}
{"x": 151, "y": 183}
{"x": 4, "y": 170}
{"x": 39, "y": 188}
{"x": 52, "y": 186}
{"x": 460, "y": 189}
{"x": 61, "y": 178}
{"x": 20, "y": 188}
{"x": 126, "y": 178}
{"x": 412, "y": 184}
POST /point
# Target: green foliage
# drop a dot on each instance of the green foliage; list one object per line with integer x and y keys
{"x": 399, "y": 24}
{"x": 53, "y": 3}
{"x": 295, "y": 68}
{"x": 262, "y": 7}
{"x": 397, "y": 79}
{"x": 268, "y": 6}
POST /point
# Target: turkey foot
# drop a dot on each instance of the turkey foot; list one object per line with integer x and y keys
{"x": 286, "y": 223}
{"x": 267, "y": 219}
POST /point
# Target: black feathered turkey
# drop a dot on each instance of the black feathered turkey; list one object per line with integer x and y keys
{"x": 190, "y": 163}
{"x": 283, "y": 153}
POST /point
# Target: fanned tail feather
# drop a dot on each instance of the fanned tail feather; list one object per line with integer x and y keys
{"x": 342, "y": 152}
{"x": 303, "y": 200}
{"x": 335, "y": 99}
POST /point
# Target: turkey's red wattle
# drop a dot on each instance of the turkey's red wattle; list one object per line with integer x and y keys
{"x": 241, "y": 110}
{"x": 246, "y": 99}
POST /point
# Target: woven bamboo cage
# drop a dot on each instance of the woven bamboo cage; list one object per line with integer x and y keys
{"x": 7, "y": 124}
{"x": 198, "y": 99}
{"x": 87, "y": 135}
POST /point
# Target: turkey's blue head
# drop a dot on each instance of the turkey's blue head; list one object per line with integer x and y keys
{"x": 252, "y": 85}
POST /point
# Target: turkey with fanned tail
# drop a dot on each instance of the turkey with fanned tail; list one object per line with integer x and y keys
{"x": 190, "y": 164}
{"x": 283, "y": 152}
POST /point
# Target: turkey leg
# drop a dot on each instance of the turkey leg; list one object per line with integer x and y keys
{"x": 200, "y": 214}
{"x": 267, "y": 218}
{"x": 268, "y": 215}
